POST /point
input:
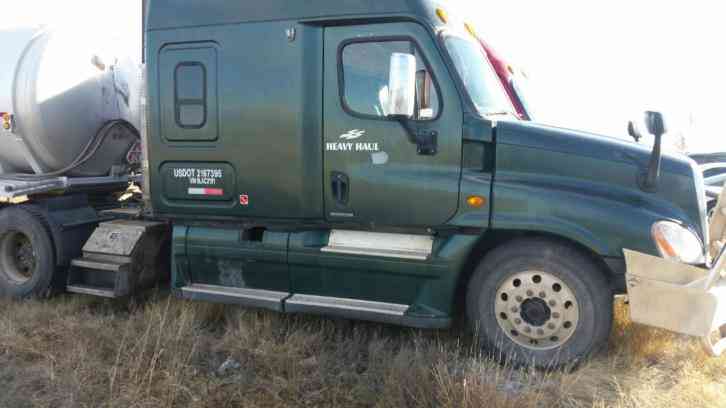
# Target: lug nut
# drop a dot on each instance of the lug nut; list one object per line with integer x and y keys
{"x": 530, "y": 293}
{"x": 555, "y": 315}
{"x": 517, "y": 321}
{"x": 515, "y": 309}
{"x": 542, "y": 295}
{"x": 527, "y": 330}
{"x": 551, "y": 326}
{"x": 553, "y": 303}
{"x": 519, "y": 299}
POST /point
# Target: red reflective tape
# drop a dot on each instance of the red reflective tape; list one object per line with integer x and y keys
{"x": 214, "y": 191}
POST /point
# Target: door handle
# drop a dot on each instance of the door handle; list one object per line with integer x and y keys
{"x": 340, "y": 186}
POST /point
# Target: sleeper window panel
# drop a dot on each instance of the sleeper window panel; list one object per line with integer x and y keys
{"x": 188, "y": 93}
{"x": 191, "y": 95}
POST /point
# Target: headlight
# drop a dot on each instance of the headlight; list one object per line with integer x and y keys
{"x": 677, "y": 243}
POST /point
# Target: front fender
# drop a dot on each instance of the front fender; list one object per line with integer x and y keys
{"x": 602, "y": 217}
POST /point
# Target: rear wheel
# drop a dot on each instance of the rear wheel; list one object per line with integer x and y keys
{"x": 27, "y": 259}
{"x": 540, "y": 302}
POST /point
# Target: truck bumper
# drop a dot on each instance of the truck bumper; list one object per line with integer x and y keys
{"x": 679, "y": 297}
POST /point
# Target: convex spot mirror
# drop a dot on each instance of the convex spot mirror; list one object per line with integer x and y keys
{"x": 634, "y": 131}
{"x": 402, "y": 86}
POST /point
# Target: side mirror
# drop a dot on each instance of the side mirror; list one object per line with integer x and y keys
{"x": 656, "y": 126}
{"x": 402, "y": 86}
{"x": 655, "y": 123}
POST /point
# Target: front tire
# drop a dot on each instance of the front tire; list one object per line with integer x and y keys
{"x": 540, "y": 302}
{"x": 27, "y": 257}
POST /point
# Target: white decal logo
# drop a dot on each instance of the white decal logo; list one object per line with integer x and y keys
{"x": 349, "y": 146}
{"x": 353, "y": 134}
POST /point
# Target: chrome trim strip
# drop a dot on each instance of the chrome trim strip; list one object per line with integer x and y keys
{"x": 385, "y": 245}
{"x": 265, "y": 299}
{"x": 365, "y": 306}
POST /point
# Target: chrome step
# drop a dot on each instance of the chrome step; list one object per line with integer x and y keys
{"x": 348, "y": 308}
{"x": 264, "y": 299}
{"x": 91, "y": 290}
{"x": 119, "y": 259}
{"x": 91, "y": 264}
{"x": 386, "y": 245}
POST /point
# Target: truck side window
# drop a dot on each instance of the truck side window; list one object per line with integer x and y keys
{"x": 365, "y": 71}
{"x": 190, "y": 102}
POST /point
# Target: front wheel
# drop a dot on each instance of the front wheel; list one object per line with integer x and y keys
{"x": 540, "y": 302}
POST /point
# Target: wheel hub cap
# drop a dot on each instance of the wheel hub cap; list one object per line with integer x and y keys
{"x": 536, "y": 310}
{"x": 17, "y": 257}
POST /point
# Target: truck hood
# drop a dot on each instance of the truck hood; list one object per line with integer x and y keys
{"x": 606, "y": 166}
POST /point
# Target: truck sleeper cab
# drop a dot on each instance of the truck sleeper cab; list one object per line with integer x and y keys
{"x": 361, "y": 159}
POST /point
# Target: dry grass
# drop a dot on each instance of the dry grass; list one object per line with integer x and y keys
{"x": 77, "y": 351}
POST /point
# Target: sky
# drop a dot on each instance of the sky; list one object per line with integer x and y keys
{"x": 593, "y": 65}
{"x": 596, "y": 64}
{"x": 118, "y": 18}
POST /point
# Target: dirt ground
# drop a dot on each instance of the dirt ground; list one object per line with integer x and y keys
{"x": 75, "y": 351}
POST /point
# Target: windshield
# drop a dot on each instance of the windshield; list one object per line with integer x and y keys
{"x": 478, "y": 76}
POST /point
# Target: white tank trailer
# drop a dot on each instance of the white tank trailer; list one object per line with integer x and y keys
{"x": 58, "y": 88}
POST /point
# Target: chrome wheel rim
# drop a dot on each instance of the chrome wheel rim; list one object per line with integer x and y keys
{"x": 536, "y": 310}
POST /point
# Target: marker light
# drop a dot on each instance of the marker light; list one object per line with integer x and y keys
{"x": 677, "y": 243}
{"x": 470, "y": 29}
{"x": 476, "y": 201}
{"x": 443, "y": 16}
{"x": 6, "y": 119}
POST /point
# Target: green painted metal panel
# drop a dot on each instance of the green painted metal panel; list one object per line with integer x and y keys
{"x": 226, "y": 257}
{"x": 437, "y": 296}
{"x": 351, "y": 276}
{"x": 428, "y": 286}
{"x": 478, "y": 164}
{"x": 180, "y": 13}
{"x": 392, "y": 185}
{"x": 180, "y": 275}
{"x": 269, "y": 110}
{"x": 585, "y": 187}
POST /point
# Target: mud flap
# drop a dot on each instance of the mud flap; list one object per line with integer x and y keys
{"x": 678, "y": 297}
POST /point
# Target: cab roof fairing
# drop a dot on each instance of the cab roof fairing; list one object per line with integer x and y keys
{"x": 171, "y": 14}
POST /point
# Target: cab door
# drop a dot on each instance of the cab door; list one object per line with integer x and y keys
{"x": 378, "y": 170}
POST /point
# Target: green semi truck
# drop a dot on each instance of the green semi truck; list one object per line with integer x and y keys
{"x": 360, "y": 159}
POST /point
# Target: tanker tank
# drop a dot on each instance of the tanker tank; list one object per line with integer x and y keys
{"x": 60, "y": 89}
